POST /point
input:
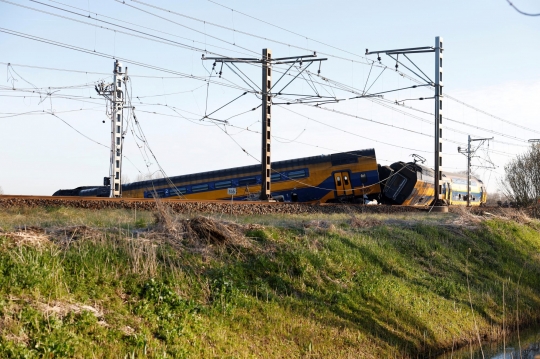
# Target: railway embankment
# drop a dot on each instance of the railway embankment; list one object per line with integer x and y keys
{"x": 236, "y": 208}
{"x": 116, "y": 282}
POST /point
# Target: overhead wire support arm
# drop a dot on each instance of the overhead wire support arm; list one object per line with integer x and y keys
{"x": 383, "y": 92}
{"x": 407, "y": 50}
{"x": 290, "y": 62}
{"x": 294, "y": 78}
{"x": 412, "y": 62}
{"x": 227, "y": 104}
{"x": 241, "y": 78}
{"x": 295, "y": 57}
{"x": 420, "y": 77}
{"x": 236, "y": 67}
{"x": 283, "y": 75}
{"x": 230, "y": 59}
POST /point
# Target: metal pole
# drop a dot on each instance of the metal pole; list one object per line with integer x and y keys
{"x": 438, "y": 117}
{"x": 469, "y": 172}
{"x": 117, "y": 130}
{"x": 266, "y": 165}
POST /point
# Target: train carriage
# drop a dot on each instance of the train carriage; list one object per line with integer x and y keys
{"x": 351, "y": 176}
{"x": 412, "y": 184}
{"x": 456, "y": 190}
{"x": 347, "y": 176}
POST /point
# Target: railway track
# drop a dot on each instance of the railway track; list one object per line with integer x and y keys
{"x": 228, "y": 207}
{"x": 194, "y": 206}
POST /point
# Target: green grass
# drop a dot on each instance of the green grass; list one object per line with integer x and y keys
{"x": 397, "y": 288}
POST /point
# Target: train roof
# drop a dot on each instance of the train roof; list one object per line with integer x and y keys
{"x": 335, "y": 159}
{"x": 430, "y": 172}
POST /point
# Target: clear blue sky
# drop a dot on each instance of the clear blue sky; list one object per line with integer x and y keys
{"x": 491, "y": 62}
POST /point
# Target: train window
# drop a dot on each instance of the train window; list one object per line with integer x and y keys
{"x": 338, "y": 180}
{"x": 394, "y": 185}
{"x": 247, "y": 181}
{"x": 346, "y": 180}
{"x": 223, "y": 184}
{"x": 275, "y": 177}
{"x": 297, "y": 174}
{"x": 199, "y": 188}
{"x": 363, "y": 177}
{"x": 178, "y": 190}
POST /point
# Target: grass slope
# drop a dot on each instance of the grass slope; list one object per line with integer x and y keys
{"x": 305, "y": 286}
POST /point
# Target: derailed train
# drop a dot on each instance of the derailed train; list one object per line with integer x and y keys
{"x": 353, "y": 176}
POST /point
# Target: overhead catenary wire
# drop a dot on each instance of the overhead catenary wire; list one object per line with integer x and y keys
{"x": 152, "y": 37}
{"x": 125, "y": 60}
{"x": 147, "y": 145}
{"x": 520, "y": 11}
{"x": 138, "y": 25}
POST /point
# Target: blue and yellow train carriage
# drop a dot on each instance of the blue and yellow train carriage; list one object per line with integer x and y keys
{"x": 455, "y": 190}
{"x": 412, "y": 184}
{"x": 347, "y": 176}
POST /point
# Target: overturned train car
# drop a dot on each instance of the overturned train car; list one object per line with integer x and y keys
{"x": 412, "y": 184}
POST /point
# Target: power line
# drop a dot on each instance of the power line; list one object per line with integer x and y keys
{"x": 354, "y": 134}
{"x": 79, "y": 132}
{"x": 104, "y": 55}
{"x": 396, "y": 127}
{"x": 42, "y": 112}
{"x": 242, "y": 32}
{"x": 377, "y": 101}
{"x": 357, "y": 91}
{"x": 161, "y": 39}
{"x": 147, "y": 145}
{"x": 521, "y": 12}
{"x": 490, "y": 115}
{"x": 141, "y": 26}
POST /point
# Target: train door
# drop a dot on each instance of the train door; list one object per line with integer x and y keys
{"x": 342, "y": 180}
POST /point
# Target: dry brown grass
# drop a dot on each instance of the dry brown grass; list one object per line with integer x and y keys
{"x": 31, "y": 236}
{"x": 364, "y": 222}
{"x": 200, "y": 234}
{"x": 318, "y": 226}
